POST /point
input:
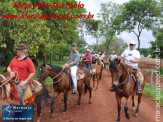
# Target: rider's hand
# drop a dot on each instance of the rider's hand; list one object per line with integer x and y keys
{"x": 127, "y": 60}
{"x": 65, "y": 66}
{"x": 22, "y": 83}
{"x": 12, "y": 74}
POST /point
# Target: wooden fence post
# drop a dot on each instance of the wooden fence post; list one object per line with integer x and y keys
{"x": 151, "y": 77}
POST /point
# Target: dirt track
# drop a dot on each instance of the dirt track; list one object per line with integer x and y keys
{"x": 102, "y": 109}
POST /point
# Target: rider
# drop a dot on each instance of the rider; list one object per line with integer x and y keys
{"x": 73, "y": 62}
{"x": 23, "y": 65}
{"x": 88, "y": 59}
{"x": 102, "y": 58}
{"x": 113, "y": 56}
{"x": 132, "y": 58}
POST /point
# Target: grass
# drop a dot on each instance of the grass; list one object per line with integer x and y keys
{"x": 150, "y": 91}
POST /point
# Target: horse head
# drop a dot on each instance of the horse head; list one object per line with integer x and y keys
{"x": 44, "y": 71}
{"x": 116, "y": 71}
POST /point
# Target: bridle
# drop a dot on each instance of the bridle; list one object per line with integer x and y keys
{"x": 128, "y": 77}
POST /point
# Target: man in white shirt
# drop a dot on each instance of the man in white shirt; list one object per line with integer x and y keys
{"x": 131, "y": 57}
{"x": 113, "y": 56}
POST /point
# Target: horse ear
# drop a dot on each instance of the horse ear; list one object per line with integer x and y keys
{"x": 119, "y": 60}
{"x": 43, "y": 64}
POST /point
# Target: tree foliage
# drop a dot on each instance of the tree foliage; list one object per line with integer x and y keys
{"x": 35, "y": 33}
{"x": 138, "y": 15}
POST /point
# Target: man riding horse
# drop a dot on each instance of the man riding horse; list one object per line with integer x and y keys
{"x": 131, "y": 57}
{"x": 23, "y": 65}
{"x": 73, "y": 62}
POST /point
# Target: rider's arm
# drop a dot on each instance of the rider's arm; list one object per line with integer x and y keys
{"x": 137, "y": 60}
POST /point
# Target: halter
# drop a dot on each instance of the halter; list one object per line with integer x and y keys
{"x": 55, "y": 76}
{"x": 128, "y": 77}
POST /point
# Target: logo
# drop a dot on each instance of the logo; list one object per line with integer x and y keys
{"x": 129, "y": 54}
{"x": 17, "y": 112}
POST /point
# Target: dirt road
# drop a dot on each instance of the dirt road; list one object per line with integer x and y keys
{"x": 102, "y": 109}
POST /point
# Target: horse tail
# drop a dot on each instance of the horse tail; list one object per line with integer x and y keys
{"x": 85, "y": 89}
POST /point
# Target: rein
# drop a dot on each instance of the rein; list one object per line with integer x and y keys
{"x": 9, "y": 78}
{"x": 128, "y": 77}
{"x": 55, "y": 76}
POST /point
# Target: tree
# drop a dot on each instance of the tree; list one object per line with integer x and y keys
{"x": 92, "y": 27}
{"x": 138, "y": 15}
{"x": 117, "y": 45}
{"x": 107, "y": 14}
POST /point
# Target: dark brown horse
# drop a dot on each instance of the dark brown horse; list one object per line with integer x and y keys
{"x": 35, "y": 60}
{"x": 62, "y": 83}
{"x": 124, "y": 85}
{"x": 14, "y": 98}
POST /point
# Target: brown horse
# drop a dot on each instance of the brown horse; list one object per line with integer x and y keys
{"x": 124, "y": 85}
{"x": 96, "y": 74}
{"x": 14, "y": 98}
{"x": 100, "y": 63}
{"x": 62, "y": 83}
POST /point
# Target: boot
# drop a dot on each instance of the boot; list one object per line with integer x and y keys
{"x": 139, "y": 87}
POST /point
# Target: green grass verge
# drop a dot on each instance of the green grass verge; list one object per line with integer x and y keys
{"x": 150, "y": 91}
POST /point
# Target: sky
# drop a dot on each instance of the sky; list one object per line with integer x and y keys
{"x": 93, "y": 6}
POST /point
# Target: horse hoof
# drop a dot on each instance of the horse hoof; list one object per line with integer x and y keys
{"x": 52, "y": 115}
{"x": 127, "y": 116}
{"x": 63, "y": 113}
{"x": 136, "y": 114}
{"x": 133, "y": 108}
{"x": 118, "y": 120}
{"x": 77, "y": 106}
{"x": 38, "y": 119}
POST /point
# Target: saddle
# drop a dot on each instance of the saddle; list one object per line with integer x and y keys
{"x": 33, "y": 88}
{"x": 132, "y": 72}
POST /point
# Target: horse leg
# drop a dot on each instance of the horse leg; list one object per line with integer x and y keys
{"x": 38, "y": 111}
{"x": 65, "y": 101}
{"x": 119, "y": 107}
{"x": 126, "y": 107}
{"x": 97, "y": 81}
{"x": 93, "y": 76}
{"x": 137, "y": 109}
{"x": 133, "y": 103}
{"x": 79, "y": 99}
{"x": 90, "y": 93}
{"x": 55, "y": 94}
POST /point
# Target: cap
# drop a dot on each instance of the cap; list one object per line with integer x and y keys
{"x": 132, "y": 42}
{"x": 74, "y": 44}
{"x": 21, "y": 47}
{"x": 113, "y": 51}
{"x": 87, "y": 50}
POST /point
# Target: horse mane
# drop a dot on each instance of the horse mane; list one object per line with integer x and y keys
{"x": 56, "y": 68}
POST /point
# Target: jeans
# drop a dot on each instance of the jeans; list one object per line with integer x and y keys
{"x": 73, "y": 75}
{"x": 21, "y": 90}
{"x": 88, "y": 66}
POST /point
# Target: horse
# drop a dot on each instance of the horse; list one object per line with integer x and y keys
{"x": 101, "y": 64}
{"x": 96, "y": 73}
{"x": 62, "y": 83}
{"x": 124, "y": 84}
{"x": 12, "y": 95}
